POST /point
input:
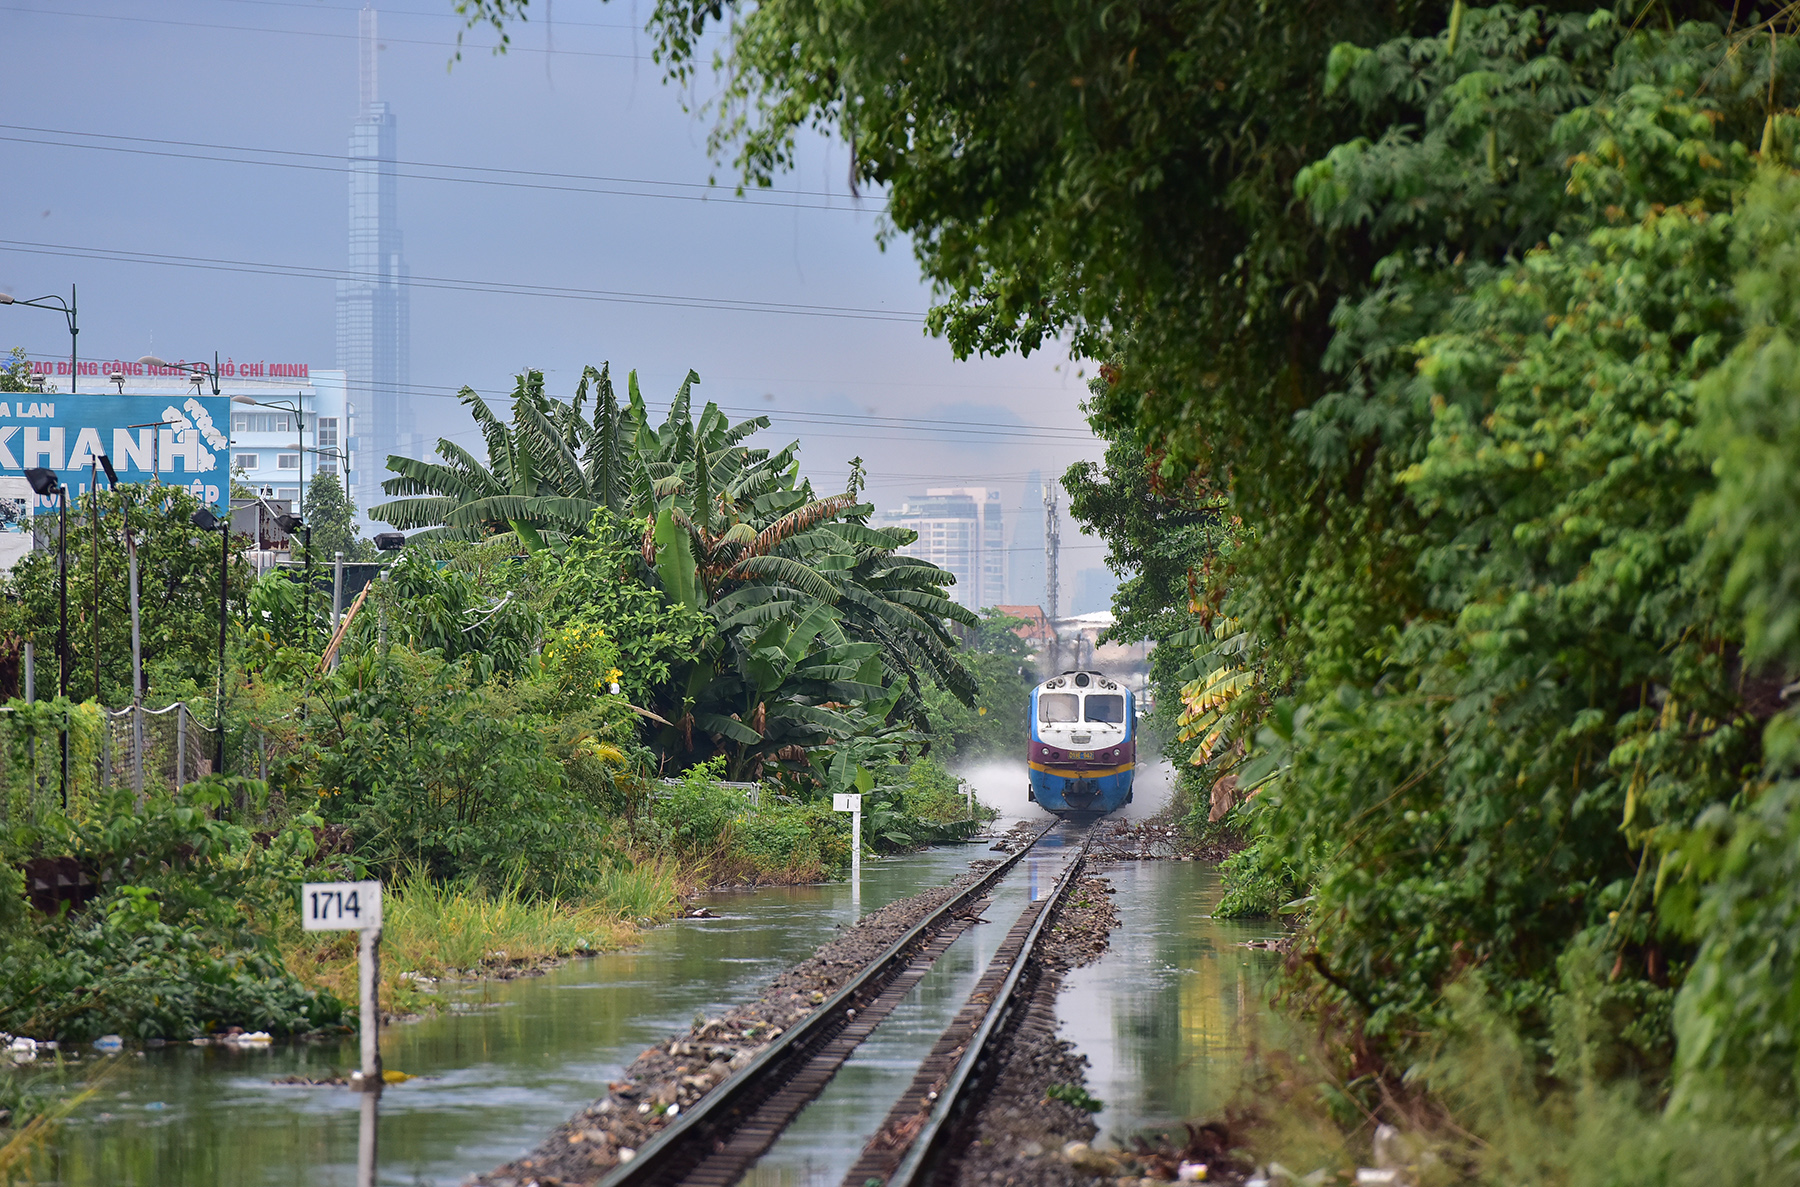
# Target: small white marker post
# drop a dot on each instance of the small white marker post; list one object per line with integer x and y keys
{"x": 356, "y": 906}
{"x": 851, "y": 802}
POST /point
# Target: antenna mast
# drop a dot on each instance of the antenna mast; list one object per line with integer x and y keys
{"x": 1052, "y": 537}
{"x": 367, "y": 80}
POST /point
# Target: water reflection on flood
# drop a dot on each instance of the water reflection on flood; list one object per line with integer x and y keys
{"x": 497, "y": 1072}
{"x": 819, "y": 1148}
{"x": 1165, "y": 1017}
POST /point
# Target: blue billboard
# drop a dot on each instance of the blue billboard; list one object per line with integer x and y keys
{"x": 183, "y": 439}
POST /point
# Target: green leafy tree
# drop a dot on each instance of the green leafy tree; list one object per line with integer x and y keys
{"x": 15, "y": 376}
{"x": 545, "y": 475}
{"x": 1005, "y": 671}
{"x": 332, "y": 517}
{"x": 809, "y": 606}
{"x": 178, "y": 567}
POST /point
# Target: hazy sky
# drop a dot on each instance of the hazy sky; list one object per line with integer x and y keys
{"x": 112, "y": 107}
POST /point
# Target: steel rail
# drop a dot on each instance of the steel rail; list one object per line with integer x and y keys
{"x": 703, "y": 1127}
{"x": 931, "y": 1142}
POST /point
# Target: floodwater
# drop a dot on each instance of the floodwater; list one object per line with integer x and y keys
{"x": 818, "y": 1149}
{"x": 509, "y": 1061}
{"x": 1167, "y": 1015}
{"x": 1164, "y": 1018}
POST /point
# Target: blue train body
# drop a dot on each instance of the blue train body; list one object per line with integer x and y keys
{"x": 1083, "y": 744}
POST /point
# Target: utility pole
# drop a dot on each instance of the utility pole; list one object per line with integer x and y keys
{"x": 1052, "y": 537}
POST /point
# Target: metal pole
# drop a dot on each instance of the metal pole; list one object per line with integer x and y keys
{"x": 337, "y": 596}
{"x": 180, "y": 744}
{"x": 137, "y": 668}
{"x": 30, "y": 672}
{"x": 62, "y": 628}
{"x": 369, "y": 960}
{"x": 369, "y": 1022}
{"x": 94, "y": 491}
{"x": 74, "y": 330}
{"x": 224, "y": 589}
{"x": 856, "y": 857}
{"x": 306, "y": 639}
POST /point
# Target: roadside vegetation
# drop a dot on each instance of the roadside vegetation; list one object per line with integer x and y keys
{"x": 618, "y": 663}
{"x": 1446, "y": 354}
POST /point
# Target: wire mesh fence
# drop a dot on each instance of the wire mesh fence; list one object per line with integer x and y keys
{"x": 139, "y": 749}
{"x": 164, "y": 747}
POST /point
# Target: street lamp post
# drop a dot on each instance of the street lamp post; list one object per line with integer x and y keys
{"x": 299, "y": 436}
{"x": 44, "y": 482}
{"x": 195, "y": 371}
{"x": 291, "y": 524}
{"x": 67, "y": 309}
{"x": 206, "y": 521}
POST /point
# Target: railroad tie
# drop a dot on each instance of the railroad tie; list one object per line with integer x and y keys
{"x": 884, "y": 1151}
{"x": 750, "y": 1140}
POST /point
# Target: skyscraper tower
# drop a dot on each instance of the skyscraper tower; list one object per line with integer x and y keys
{"x": 374, "y": 320}
{"x": 1025, "y": 557}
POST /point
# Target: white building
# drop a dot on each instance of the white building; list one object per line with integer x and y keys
{"x": 961, "y": 529}
{"x": 274, "y": 451}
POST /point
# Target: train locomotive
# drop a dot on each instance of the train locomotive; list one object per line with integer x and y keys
{"x": 1083, "y": 744}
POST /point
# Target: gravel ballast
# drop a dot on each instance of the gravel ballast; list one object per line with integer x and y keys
{"x": 672, "y": 1076}
{"x": 1018, "y": 1135}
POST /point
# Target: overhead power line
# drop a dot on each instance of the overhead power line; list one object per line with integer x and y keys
{"x": 150, "y": 20}
{"x": 455, "y": 284}
{"x": 312, "y": 162}
{"x": 873, "y": 426}
{"x": 440, "y": 15}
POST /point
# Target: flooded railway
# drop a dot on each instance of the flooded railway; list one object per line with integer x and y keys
{"x": 1162, "y": 1018}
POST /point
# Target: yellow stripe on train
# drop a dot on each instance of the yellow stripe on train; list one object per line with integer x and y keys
{"x": 1064, "y": 773}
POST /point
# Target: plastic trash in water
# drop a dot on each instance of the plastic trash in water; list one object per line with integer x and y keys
{"x": 1191, "y": 1172}
{"x": 109, "y": 1043}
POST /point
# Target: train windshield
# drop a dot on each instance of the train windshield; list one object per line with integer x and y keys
{"x": 1056, "y": 708}
{"x": 1106, "y": 707}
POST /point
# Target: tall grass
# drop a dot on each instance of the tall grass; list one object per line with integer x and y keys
{"x": 434, "y": 928}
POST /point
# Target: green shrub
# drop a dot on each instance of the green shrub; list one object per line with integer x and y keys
{"x": 432, "y": 773}
{"x": 794, "y": 837}
{"x": 1257, "y": 884}
{"x": 694, "y": 819}
{"x": 172, "y": 947}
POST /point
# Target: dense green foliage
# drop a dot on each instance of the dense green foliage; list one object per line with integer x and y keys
{"x": 178, "y": 583}
{"x": 530, "y": 723}
{"x": 1477, "y": 323}
{"x": 805, "y": 606}
{"x": 1004, "y": 671}
{"x": 172, "y": 948}
{"x": 332, "y": 517}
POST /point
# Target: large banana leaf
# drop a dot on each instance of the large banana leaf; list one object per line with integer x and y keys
{"x": 675, "y": 560}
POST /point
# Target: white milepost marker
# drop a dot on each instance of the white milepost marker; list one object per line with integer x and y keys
{"x": 852, "y": 803}
{"x": 356, "y": 906}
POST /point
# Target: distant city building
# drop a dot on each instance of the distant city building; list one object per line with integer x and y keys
{"x": 961, "y": 529}
{"x": 1094, "y": 589}
{"x": 274, "y": 452}
{"x": 1025, "y": 555}
{"x": 374, "y": 317}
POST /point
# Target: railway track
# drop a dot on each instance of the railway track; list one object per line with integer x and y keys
{"x": 722, "y": 1135}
